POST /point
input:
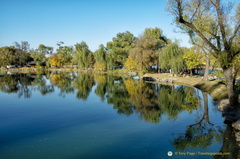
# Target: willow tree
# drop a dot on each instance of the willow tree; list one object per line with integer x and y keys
{"x": 100, "y": 58}
{"x": 215, "y": 22}
{"x": 171, "y": 57}
{"x": 81, "y": 55}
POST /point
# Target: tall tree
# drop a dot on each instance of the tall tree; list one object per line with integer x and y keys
{"x": 24, "y": 46}
{"x": 90, "y": 59}
{"x": 119, "y": 47}
{"x": 81, "y": 55}
{"x": 216, "y": 24}
{"x": 100, "y": 57}
{"x": 23, "y": 52}
{"x": 64, "y": 54}
{"x": 39, "y": 55}
{"x": 147, "y": 47}
{"x": 171, "y": 56}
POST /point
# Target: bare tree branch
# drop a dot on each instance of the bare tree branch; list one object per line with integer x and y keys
{"x": 190, "y": 25}
{"x": 235, "y": 32}
{"x": 221, "y": 24}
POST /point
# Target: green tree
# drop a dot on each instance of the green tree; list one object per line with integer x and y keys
{"x": 215, "y": 23}
{"x": 171, "y": 56}
{"x": 39, "y": 55}
{"x": 80, "y": 57}
{"x": 100, "y": 57}
{"x": 118, "y": 48}
{"x": 91, "y": 60}
{"x": 8, "y": 56}
{"x": 64, "y": 54}
{"x": 147, "y": 47}
{"x": 23, "y": 52}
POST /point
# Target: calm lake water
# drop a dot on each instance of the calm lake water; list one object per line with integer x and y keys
{"x": 71, "y": 116}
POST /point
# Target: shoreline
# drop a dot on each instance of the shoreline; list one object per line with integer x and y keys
{"x": 216, "y": 88}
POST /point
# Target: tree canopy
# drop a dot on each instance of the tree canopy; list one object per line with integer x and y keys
{"x": 39, "y": 54}
{"x": 119, "y": 47}
{"x": 81, "y": 55}
{"x": 146, "y": 50}
{"x": 100, "y": 57}
{"x": 171, "y": 56}
{"x": 215, "y": 22}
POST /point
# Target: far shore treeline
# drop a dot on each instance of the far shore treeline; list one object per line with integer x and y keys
{"x": 151, "y": 51}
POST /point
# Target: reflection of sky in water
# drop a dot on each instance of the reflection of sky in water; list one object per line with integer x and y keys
{"x": 52, "y": 126}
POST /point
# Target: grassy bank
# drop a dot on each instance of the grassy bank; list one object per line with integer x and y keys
{"x": 216, "y": 88}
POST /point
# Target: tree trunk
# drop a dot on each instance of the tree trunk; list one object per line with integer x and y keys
{"x": 205, "y": 100}
{"x": 191, "y": 73}
{"x": 205, "y": 77}
{"x": 230, "y": 86}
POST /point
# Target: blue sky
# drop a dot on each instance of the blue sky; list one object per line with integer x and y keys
{"x": 93, "y": 21}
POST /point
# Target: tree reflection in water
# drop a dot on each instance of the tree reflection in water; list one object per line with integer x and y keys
{"x": 126, "y": 95}
{"x": 150, "y": 101}
{"x": 24, "y": 84}
{"x": 40, "y": 83}
{"x": 200, "y": 134}
{"x": 101, "y": 89}
{"x": 203, "y": 133}
{"x": 83, "y": 84}
{"x": 63, "y": 81}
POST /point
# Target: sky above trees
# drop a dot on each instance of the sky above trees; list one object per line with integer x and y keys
{"x": 93, "y": 21}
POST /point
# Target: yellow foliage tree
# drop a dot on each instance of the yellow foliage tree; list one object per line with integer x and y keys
{"x": 100, "y": 66}
{"x": 191, "y": 59}
{"x": 54, "y": 60}
{"x": 130, "y": 64}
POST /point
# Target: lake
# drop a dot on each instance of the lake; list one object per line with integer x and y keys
{"x": 81, "y": 116}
